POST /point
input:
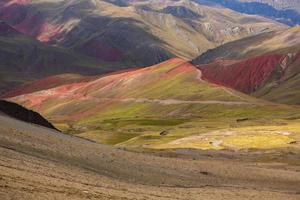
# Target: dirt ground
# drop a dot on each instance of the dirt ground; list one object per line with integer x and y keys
{"x": 38, "y": 163}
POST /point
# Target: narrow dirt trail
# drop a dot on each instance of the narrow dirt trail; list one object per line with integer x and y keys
{"x": 74, "y": 94}
{"x": 177, "y": 101}
{"x": 199, "y": 75}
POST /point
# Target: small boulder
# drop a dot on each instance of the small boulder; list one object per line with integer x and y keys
{"x": 164, "y": 133}
{"x": 242, "y": 120}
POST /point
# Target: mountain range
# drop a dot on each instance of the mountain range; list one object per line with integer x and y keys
{"x": 279, "y": 4}
{"x": 162, "y": 29}
{"x": 261, "y": 62}
{"x": 287, "y": 12}
{"x": 149, "y": 99}
{"x": 89, "y": 37}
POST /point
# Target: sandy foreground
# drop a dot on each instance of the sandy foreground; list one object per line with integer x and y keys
{"x": 38, "y": 163}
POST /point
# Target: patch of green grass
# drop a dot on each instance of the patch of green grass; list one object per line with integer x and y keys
{"x": 146, "y": 122}
{"x": 137, "y": 124}
{"x": 110, "y": 138}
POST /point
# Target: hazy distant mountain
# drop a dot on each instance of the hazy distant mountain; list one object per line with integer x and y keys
{"x": 280, "y": 4}
{"x": 287, "y": 12}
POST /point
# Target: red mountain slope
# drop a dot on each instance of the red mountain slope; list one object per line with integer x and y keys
{"x": 245, "y": 75}
{"x": 267, "y": 65}
{"x": 46, "y": 83}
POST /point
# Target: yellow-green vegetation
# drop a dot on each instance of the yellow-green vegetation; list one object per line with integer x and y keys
{"x": 193, "y": 126}
{"x": 138, "y": 110}
{"x": 258, "y": 141}
{"x": 62, "y": 126}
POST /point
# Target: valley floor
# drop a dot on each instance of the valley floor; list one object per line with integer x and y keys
{"x": 38, "y": 163}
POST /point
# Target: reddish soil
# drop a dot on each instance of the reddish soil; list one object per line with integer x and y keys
{"x": 184, "y": 68}
{"x": 48, "y": 32}
{"x": 32, "y": 24}
{"x": 245, "y": 75}
{"x": 46, "y": 83}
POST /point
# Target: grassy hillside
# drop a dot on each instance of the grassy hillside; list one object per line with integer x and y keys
{"x": 165, "y": 106}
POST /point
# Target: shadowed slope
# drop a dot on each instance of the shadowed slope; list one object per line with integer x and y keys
{"x": 18, "y": 112}
{"x": 24, "y": 59}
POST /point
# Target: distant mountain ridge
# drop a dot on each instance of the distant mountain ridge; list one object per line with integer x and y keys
{"x": 287, "y": 12}
{"x": 280, "y": 4}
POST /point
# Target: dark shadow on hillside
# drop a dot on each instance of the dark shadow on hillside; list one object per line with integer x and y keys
{"x": 19, "y": 112}
{"x": 108, "y": 39}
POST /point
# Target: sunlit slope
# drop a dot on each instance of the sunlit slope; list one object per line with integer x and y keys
{"x": 155, "y": 106}
{"x": 266, "y": 66}
{"x": 285, "y": 41}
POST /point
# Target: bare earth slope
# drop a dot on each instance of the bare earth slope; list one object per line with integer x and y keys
{"x": 38, "y": 163}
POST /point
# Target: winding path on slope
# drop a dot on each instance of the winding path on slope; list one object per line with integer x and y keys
{"x": 37, "y": 98}
{"x": 176, "y": 101}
